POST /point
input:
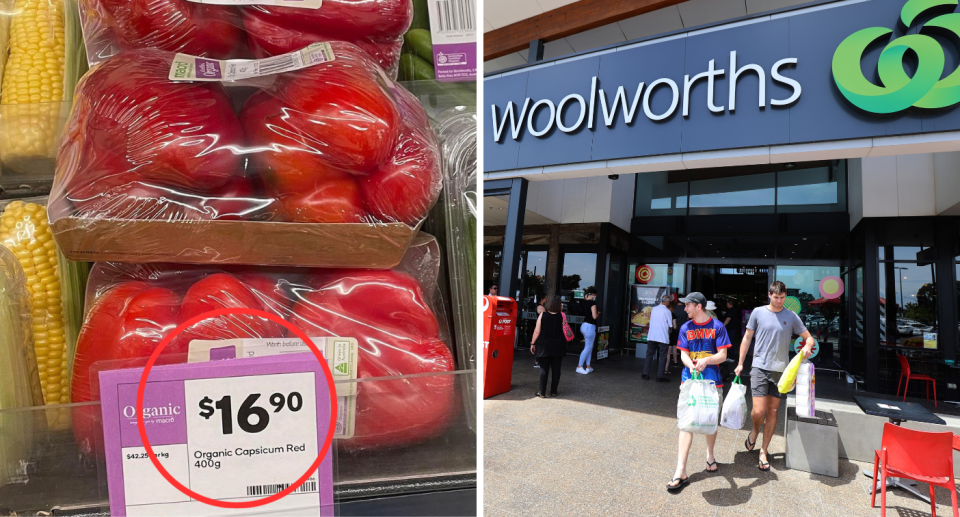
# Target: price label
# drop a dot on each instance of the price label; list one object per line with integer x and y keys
{"x": 340, "y": 353}
{"x": 233, "y": 431}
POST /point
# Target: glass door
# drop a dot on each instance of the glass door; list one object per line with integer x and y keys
{"x": 820, "y": 295}
{"x": 736, "y": 290}
{"x": 578, "y": 271}
{"x": 614, "y": 303}
{"x": 533, "y": 265}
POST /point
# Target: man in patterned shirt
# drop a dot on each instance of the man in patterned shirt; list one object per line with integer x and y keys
{"x": 703, "y": 345}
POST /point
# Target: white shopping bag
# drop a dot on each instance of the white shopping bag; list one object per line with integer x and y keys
{"x": 698, "y": 408}
{"x": 734, "y": 412}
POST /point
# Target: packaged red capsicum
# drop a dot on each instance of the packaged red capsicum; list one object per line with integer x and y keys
{"x": 225, "y": 31}
{"x": 314, "y": 158}
{"x": 393, "y": 314}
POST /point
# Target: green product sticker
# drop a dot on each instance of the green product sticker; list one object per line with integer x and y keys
{"x": 900, "y": 91}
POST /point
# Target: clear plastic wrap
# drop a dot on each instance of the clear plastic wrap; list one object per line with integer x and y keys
{"x": 55, "y": 290}
{"x": 19, "y": 383}
{"x": 458, "y": 139}
{"x": 36, "y": 86}
{"x": 332, "y": 165}
{"x": 252, "y": 31}
{"x": 393, "y": 315}
{"x": 457, "y": 130}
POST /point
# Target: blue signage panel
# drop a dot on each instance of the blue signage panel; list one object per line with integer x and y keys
{"x": 554, "y": 83}
{"x": 631, "y": 133}
{"x": 674, "y": 95}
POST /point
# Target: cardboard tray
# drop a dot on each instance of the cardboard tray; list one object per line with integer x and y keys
{"x": 369, "y": 246}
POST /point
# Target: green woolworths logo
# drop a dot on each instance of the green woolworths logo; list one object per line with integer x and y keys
{"x": 900, "y": 91}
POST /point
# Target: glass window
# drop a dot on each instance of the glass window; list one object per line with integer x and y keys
{"x": 654, "y": 246}
{"x": 737, "y": 191}
{"x": 661, "y": 193}
{"x": 908, "y": 304}
{"x": 672, "y": 275}
{"x": 906, "y": 252}
{"x": 579, "y": 272}
{"x": 730, "y": 247}
{"x": 491, "y": 267}
{"x": 815, "y": 189}
{"x": 814, "y": 247}
{"x": 532, "y": 287}
{"x": 820, "y": 314}
{"x": 783, "y": 187}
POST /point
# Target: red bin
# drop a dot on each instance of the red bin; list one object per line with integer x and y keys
{"x": 499, "y": 330}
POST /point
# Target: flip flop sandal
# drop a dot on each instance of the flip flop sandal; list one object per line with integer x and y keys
{"x": 678, "y": 486}
{"x": 749, "y": 445}
{"x": 712, "y": 465}
{"x": 764, "y": 466}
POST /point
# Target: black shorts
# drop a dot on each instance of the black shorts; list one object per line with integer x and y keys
{"x": 763, "y": 383}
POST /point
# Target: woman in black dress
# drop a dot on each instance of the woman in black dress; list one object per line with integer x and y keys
{"x": 549, "y": 344}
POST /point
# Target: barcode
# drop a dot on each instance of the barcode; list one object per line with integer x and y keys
{"x": 309, "y": 485}
{"x": 456, "y": 15}
{"x": 277, "y": 64}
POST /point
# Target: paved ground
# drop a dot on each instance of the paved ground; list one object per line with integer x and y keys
{"x": 608, "y": 445}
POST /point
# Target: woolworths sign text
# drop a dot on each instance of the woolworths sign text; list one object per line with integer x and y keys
{"x": 629, "y": 100}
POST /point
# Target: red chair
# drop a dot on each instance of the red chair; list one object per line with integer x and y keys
{"x": 918, "y": 455}
{"x": 905, "y": 372}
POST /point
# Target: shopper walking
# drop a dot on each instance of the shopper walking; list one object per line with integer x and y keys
{"x": 540, "y": 310}
{"x": 680, "y": 317}
{"x": 773, "y": 327}
{"x": 589, "y": 329}
{"x": 549, "y": 345}
{"x": 658, "y": 339}
{"x": 674, "y": 334}
{"x": 732, "y": 320}
{"x": 703, "y": 345}
{"x": 711, "y": 309}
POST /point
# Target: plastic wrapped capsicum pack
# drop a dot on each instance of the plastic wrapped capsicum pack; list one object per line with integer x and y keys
{"x": 329, "y": 164}
{"x": 392, "y": 313}
{"x": 248, "y": 31}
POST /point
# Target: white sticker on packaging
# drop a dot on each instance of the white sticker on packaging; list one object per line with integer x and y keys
{"x": 453, "y": 31}
{"x": 192, "y": 68}
{"x": 303, "y": 4}
{"x": 341, "y": 355}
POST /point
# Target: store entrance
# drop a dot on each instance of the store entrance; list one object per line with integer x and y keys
{"x": 746, "y": 286}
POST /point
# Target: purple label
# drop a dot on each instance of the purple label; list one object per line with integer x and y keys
{"x": 207, "y": 69}
{"x": 455, "y": 62}
{"x": 164, "y": 414}
{"x": 224, "y": 352}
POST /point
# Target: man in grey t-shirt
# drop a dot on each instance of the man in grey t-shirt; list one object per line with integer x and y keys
{"x": 773, "y": 327}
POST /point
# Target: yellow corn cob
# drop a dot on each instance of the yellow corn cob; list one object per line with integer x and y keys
{"x": 6, "y": 12}
{"x": 32, "y": 89}
{"x": 24, "y": 230}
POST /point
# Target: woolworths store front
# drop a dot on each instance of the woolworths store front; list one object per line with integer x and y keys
{"x": 817, "y": 145}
